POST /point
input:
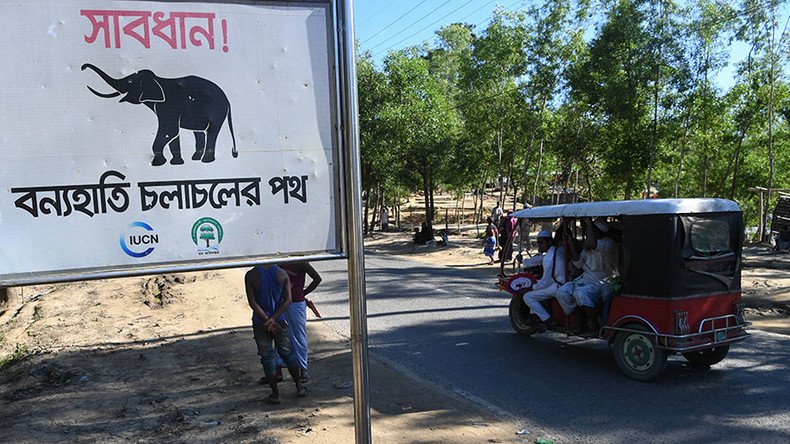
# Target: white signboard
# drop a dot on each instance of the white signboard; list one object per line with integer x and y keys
{"x": 142, "y": 135}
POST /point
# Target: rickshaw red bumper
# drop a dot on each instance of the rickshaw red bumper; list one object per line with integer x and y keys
{"x": 683, "y": 324}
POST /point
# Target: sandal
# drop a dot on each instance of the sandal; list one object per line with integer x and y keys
{"x": 271, "y": 399}
{"x": 301, "y": 392}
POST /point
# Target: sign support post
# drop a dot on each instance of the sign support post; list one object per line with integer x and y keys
{"x": 353, "y": 201}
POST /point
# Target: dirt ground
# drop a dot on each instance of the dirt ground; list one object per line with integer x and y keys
{"x": 171, "y": 358}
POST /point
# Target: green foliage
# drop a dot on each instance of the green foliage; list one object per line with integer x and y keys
{"x": 539, "y": 98}
{"x": 207, "y": 232}
{"x": 20, "y": 352}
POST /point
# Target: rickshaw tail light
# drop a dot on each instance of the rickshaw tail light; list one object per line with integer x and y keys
{"x": 681, "y": 322}
{"x": 740, "y": 308}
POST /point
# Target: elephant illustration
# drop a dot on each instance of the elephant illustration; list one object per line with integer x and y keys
{"x": 192, "y": 103}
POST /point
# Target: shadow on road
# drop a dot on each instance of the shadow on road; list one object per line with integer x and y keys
{"x": 568, "y": 384}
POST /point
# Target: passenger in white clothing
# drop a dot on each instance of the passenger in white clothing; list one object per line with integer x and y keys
{"x": 598, "y": 261}
{"x": 553, "y": 277}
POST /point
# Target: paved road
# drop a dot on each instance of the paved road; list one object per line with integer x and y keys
{"x": 450, "y": 327}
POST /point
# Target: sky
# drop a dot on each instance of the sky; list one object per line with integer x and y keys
{"x": 383, "y": 25}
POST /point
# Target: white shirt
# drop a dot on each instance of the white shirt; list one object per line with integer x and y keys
{"x": 534, "y": 261}
{"x": 599, "y": 264}
{"x": 496, "y": 213}
{"x": 549, "y": 271}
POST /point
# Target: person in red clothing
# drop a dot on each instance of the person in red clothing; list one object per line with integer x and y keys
{"x": 296, "y": 313}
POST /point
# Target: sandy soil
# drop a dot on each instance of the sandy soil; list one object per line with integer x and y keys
{"x": 171, "y": 359}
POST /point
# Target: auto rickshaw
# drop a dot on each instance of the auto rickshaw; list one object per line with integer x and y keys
{"x": 679, "y": 283}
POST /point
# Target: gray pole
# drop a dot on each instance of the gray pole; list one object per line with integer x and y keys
{"x": 353, "y": 186}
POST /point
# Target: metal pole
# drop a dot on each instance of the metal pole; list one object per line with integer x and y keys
{"x": 353, "y": 185}
{"x": 761, "y": 225}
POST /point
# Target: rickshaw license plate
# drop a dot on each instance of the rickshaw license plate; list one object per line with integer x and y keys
{"x": 721, "y": 336}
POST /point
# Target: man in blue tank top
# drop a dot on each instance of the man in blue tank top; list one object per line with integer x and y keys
{"x": 269, "y": 294}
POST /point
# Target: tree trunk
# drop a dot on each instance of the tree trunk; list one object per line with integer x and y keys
{"x": 374, "y": 219}
{"x": 462, "y": 218}
{"x": 426, "y": 187}
{"x": 481, "y": 202}
{"x": 507, "y": 185}
{"x": 705, "y": 170}
{"x": 680, "y": 166}
{"x": 457, "y": 216}
{"x": 515, "y": 195}
{"x": 568, "y": 183}
{"x": 705, "y": 129}
{"x": 474, "y": 207}
{"x": 770, "y": 124}
{"x": 433, "y": 204}
{"x": 499, "y": 150}
{"x": 365, "y": 225}
{"x": 656, "y": 81}
{"x": 537, "y": 175}
{"x": 526, "y": 161}
{"x": 743, "y": 130}
{"x": 683, "y": 140}
{"x": 529, "y": 147}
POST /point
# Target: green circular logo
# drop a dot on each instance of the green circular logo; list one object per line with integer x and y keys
{"x": 207, "y": 230}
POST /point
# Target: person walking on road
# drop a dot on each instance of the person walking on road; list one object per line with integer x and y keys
{"x": 269, "y": 294}
{"x": 297, "y": 310}
{"x": 384, "y": 216}
{"x": 496, "y": 213}
{"x": 490, "y": 242}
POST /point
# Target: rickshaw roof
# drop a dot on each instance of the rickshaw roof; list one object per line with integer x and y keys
{"x": 629, "y": 208}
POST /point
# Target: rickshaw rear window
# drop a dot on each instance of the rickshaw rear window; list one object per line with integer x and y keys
{"x": 710, "y": 237}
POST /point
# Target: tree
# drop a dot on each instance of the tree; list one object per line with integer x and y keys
{"x": 207, "y": 233}
{"x": 762, "y": 71}
{"x": 615, "y": 82}
{"x": 420, "y": 122}
{"x": 492, "y": 99}
{"x": 548, "y": 47}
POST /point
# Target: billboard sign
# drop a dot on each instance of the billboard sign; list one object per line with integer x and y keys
{"x": 142, "y": 136}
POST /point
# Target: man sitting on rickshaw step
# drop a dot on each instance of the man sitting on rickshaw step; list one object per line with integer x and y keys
{"x": 598, "y": 261}
{"x": 553, "y": 276}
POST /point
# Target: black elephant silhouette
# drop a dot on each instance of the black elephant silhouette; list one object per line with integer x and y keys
{"x": 192, "y": 103}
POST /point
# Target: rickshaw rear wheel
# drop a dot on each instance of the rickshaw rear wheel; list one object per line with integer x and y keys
{"x": 637, "y": 354}
{"x": 520, "y": 318}
{"x": 707, "y": 357}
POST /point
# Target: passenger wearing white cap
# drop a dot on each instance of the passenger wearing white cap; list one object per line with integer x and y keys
{"x": 537, "y": 260}
{"x": 598, "y": 261}
{"x": 553, "y": 277}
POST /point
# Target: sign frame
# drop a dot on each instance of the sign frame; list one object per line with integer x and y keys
{"x": 340, "y": 152}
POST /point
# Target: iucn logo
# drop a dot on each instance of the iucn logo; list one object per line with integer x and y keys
{"x": 139, "y": 239}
